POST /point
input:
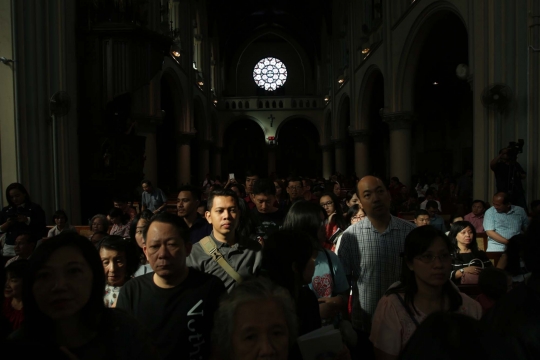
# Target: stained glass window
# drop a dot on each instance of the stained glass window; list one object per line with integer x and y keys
{"x": 270, "y": 73}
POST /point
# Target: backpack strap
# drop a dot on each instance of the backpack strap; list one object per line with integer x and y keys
{"x": 408, "y": 310}
{"x": 209, "y": 247}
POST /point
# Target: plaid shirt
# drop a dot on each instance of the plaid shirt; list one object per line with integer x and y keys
{"x": 374, "y": 261}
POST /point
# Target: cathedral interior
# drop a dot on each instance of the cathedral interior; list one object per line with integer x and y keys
{"x": 100, "y": 94}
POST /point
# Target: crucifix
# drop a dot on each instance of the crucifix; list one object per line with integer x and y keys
{"x": 272, "y": 118}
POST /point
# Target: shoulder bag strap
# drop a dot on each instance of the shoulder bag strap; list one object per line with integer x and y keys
{"x": 331, "y": 270}
{"x": 210, "y": 248}
{"x": 408, "y": 310}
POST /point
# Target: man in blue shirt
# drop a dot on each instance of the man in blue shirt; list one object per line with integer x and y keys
{"x": 153, "y": 198}
{"x": 502, "y": 221}
{"x": 435, "y": 220}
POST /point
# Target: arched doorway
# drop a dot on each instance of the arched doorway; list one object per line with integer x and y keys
{"x": 244, "y": 148}
{"x": 442, "y": 136}
{"x": 298, "y": 151}
{"x": 165, "y": 137}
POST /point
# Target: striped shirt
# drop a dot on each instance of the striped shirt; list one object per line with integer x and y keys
{"x": 374, "y": 261}
{"x": 505, "y": 224}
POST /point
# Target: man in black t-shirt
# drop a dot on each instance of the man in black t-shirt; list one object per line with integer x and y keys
{"x": 268, "y": 217}
{"x": 175, "y": 303}
{"x": 508, "y": 176}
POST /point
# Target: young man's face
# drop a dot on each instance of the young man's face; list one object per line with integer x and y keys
{"x": 264, "y": 203}
{"x": 295, "y": 189}
{"x": 250, "y": 181}
{"x": 223, "y": 216}
{"x": 432, "y": 211}
{"x": 147, "y": 188}
{"x": 422, "y": 220}
{"x": 186, "y": 204}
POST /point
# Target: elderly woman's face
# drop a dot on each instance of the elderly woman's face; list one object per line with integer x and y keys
{"x": 63, "y": 285}
{"x": 98, "y": 225}
{"x": 260, "y": 331}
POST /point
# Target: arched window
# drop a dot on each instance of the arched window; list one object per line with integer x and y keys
{"x": 270, "y": 73}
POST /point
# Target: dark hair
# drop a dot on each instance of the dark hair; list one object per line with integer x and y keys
{"x": 305, "y": 216}
{"x": 338, "y": 218}
{"x": 264, "y": 187}
{"x": 353, "y": 210}
{"x": 329, "y": 186}
{"x": 145, "y": 214}
{"x": 251, "y": 172}
{"x": 479, "y": 201}
{"x": 32, "y": 238}
{"x": 147, "y": 182}
{"x": 307, "y": 182}
{"x": 455, "y": 216}
{"x": 493, "y": 282}
{"x": 455, "y": 229}
{"x": 37, "y": 323}
{"x": 120, "y": 199}
{"x": 116, "y": 212}
{"x": 416, "y": 243}
{"x": 21, "y": 188}
{"x": 505, "y": 197}
{"x": 278, "y": 265}
{"x": 349, "y": 195}
{"x": 295, "y": 179}
{"x": 167, "y": 218}
{"x": 446, "y": 336}
{"x": 17, "y": 269}
{"x": 419, "y": 212}
{"x": 58, "y": 214}
{"x": 221, "y": 192}
{"x": 127, "y": 246}
{"x": 203, "y": 203}
{"x": 195, "y": 191}
{"x": 240, "y": 187}
{"x": 395, "y": 178}
{"x": 432, "y": 204}
{"x": 430, "y": 192}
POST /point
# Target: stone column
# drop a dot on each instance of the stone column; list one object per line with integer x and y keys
{"x": 217, "y": 160}
{"x": 271, "y": 158}
{"x": 361, "y": 152}
{"x": 327, "y": 160}
{"x": 147, "y": 127}
{"x": 204, "y": 159}
{"x": 340, "y": 156}
{"x": 400, "y": 144}
{"x": 183, "y": 167}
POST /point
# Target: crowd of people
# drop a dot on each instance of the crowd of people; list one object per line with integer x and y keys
{"x": 244, "y": 271}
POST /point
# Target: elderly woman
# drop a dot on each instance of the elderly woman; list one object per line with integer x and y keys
{"x": 256, "y": 320}
{"x": 119, "y": 259}
{"x": 425, "y": 288}
{"x": 98, "y": 225}
{"x": 64, "y": 310}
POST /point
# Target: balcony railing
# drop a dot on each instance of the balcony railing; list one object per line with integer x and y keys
{"x": 273, "y": 103}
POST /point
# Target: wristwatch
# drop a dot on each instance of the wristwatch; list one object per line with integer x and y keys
{"x": 462, "y": 271}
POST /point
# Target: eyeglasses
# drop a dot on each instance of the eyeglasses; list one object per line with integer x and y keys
{"x": 358, "y": 217}
{"x": 327, "y": 204}
{"x": 429, "y": 258}
{"x": 294, "y": 187}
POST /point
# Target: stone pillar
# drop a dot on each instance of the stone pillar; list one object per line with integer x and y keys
{"x": 327, "y": 160}
{"x": 204, "y": 159}
{"x": 183, "y": 167}
{"x": 400, "y": 145}
{"x": 147, "y": 128}
{"x": 271, "y": 159}
{"x": 340, "y": 156}
{"x": 361, "y": 152}
{"x": 217, "y": 160}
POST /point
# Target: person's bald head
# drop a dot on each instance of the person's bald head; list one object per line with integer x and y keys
{"x": 373, "y": 196}
{"x": 501, "y": 202}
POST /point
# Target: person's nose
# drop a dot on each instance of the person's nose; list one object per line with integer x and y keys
{"x": 162, "y": 252}
{"x": 266, "y": 347}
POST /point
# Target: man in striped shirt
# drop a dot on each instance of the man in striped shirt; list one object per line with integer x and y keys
{"x": 502, "y": 221}
{"x": 370, "y": 250}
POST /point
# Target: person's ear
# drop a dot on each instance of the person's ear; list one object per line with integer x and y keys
{"x": 208, "y": 217}
{"x": 145, "y": 251}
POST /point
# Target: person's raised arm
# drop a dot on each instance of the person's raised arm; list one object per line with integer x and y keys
{"x": 493, "y": 163}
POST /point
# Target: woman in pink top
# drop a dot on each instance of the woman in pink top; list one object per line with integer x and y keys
{"x": 425, "y": 288}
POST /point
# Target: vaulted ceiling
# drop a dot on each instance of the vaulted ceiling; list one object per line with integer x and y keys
{"x": 233, "y": 22}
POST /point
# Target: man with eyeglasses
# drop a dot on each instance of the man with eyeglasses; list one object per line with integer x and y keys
{"x": 370, "y": 251}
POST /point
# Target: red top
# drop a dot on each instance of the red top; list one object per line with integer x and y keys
{"x": 14, "y": 316}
